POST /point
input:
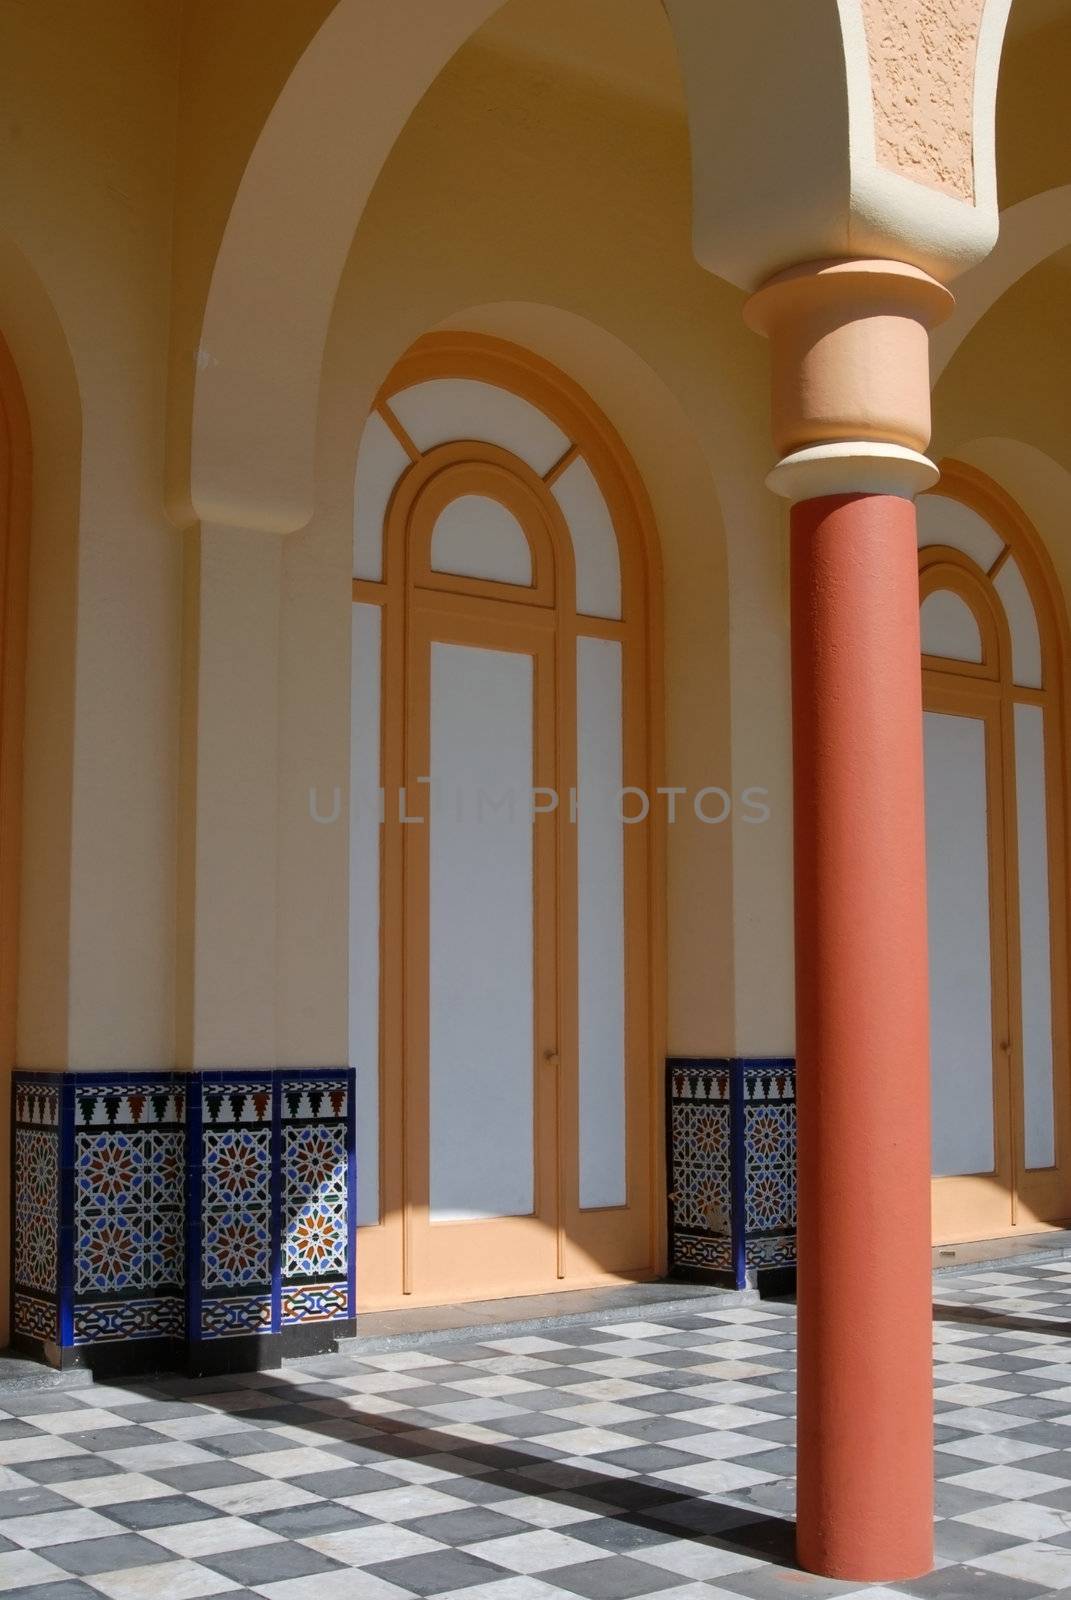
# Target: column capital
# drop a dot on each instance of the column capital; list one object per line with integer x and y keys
{"x": 850, "y": 386}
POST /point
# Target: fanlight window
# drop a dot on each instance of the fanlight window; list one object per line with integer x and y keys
{"x": 950, "y": 628}
{"x": 982, "y": 572}
{"x": 475, "y": 536}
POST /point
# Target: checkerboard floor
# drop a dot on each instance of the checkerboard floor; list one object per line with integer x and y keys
{"x": 605, "y": 1463}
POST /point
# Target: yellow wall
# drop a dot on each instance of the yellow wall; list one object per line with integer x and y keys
{"x": 1034, "y": 108}
{"x": 1004, "y": 403}
{"x": 89, "y": 95}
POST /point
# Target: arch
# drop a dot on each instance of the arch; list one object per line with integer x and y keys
{"x": 40, "y": 462}
{"x": 1039, "y": 485}
{"x": 458, "y": 475}
{"x": 1030, "y": 232}
{"x": 1013, "y": 704}
{"x": 952, "y": 622}
{"x": 579, "y": 431}
{"x": 42, "y": 356}
{"x": 272, "y": 287}
{"x": 478, "y": 534}
{"x": 969, "y": 486}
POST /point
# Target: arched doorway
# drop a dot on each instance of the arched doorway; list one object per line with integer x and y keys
{"x": 993, "y": 695}
{"x": 501, "y": 946}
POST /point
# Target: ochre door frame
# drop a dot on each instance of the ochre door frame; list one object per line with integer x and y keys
{"x": 409, "y": 585}
{"x": 1035, "y": 1198}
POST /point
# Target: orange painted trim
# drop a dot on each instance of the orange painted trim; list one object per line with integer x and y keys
{"x": 16, "y": 470}
{"x": 393, "y": 422}
{"x": 452, "y": 470}
{"x": 982, "y": 1199}
{"x": 942, "y": 567}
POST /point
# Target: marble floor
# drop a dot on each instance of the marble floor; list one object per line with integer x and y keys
{"x": 597, "y": 1461}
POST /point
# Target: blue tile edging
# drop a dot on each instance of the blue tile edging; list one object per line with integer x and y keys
{"x": 201, "y": 1219}
{"x": 731, "y": 1160}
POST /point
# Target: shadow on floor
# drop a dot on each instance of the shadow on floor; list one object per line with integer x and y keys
{"x": 1006, "y": 1320}
{"x": 647, "y": 1511}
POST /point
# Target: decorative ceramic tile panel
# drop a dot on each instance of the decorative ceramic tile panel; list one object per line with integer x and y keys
{"x": 37, "y": 1099}
{"x": 318, "y": 1199}
{"x": 175, "y": 1209}
{"x": 129, "y": 1319}
{"x": 700, "y": 1167}
{"x": 316, "y": 1305}
{"x": 275, "y": 1192}
{"x": 114, "y": 1102}
{"x": 769, "y": 1094}
{"x": 127, "y": 1275}
{"x": 731, "y": 1129}
{"x": 240, "y": 1314}
{"x": 33, "y": 1317}
{"x": 231, "y": 1155}
{"x": 236, "y": 1215}
{"x": 35, "y": 1222}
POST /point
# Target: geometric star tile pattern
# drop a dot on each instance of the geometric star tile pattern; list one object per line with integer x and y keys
{"x": 732, "y": 1151}
{"x": 605, "y": 1462}
{"x": 127, "y": 1266}
{"x": 275, "y": 1195}
{"x": 769, "y": 1156}
{"x": 182, "y": 1207}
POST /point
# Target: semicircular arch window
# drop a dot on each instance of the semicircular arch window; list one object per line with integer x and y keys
{"x": 477, "y": 537}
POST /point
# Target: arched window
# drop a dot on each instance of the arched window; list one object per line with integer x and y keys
{"x": 500, "y": 955}
{"x": 993, "y": 662}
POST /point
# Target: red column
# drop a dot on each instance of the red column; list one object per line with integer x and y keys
{"x": 865, "y": 1374}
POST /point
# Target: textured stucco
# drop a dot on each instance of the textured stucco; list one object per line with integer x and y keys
{"x": 922, "y": 56}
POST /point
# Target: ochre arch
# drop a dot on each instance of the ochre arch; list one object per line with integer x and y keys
{"x": 452, "y": 470}
{"x": 1031, "y": 231}
{"x": 972, "y": 487}
{"x": 243, "y": 445}
{"x": 509, "y": 366}
{"x": 944, "y": 569}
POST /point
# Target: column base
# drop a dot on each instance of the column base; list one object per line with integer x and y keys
{"x": 201, "y": 1221}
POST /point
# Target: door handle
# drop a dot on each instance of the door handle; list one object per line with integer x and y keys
{"x": 552, "y": 1058}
